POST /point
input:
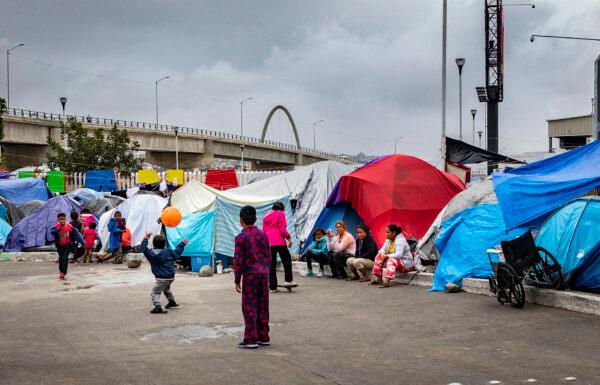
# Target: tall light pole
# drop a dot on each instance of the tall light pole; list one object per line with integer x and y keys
{"x": 176, "y": 130}
{"x": 532, "y": 38}
{"x": 460, "y": 62}
{"x": 156, "y": 96}
{"x": 444, "y": 39}
{"x": 395, "y": 144}
{"x": 242, "y": 129}
{"x": 8, "y": 74}
{"x": 479, "y": 133}
{"x": 473, "y": 112}
{"x": 63, "y": 102}
{"x": 315, "y": 133}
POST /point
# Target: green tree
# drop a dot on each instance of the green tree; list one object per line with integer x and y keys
{"x": 92, "y": 152}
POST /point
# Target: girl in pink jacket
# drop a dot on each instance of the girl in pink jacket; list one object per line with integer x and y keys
{"x": 275, "y": 226}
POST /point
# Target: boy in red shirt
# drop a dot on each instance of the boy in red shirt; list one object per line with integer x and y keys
{"x": 89, "y": 236}
{"x": 252, "y": 261}
{"x": 65, "y": 236}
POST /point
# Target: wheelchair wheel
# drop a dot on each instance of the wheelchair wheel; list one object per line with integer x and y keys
{"x": 547, "y": 273}
{"x": 509, "y": 286}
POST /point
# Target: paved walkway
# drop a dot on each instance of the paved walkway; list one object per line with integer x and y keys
{"x": 98, "y": 330}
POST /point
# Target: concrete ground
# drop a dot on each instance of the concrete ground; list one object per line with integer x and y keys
{"x": 97, "y": 329}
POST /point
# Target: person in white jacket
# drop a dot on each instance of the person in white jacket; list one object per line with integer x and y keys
{"x": 395, "y": 256}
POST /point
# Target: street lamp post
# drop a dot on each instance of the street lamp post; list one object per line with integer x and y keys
{"x": 156, "y": 96}
{"x": 479, "y": 133}
{"x": 315, "y": 133}
{"x": 395, "y": 144}
{"x": 242, "y": 129}
{"x": 444, "y": 40}
{"x": 473, "y": 112}
{"x": 532, "y": 38}
{"x": 63, "y": 102}
{"x": 8, "y": 74}
{"x": 460, "y": 62}
{"x": 176, "y": 130}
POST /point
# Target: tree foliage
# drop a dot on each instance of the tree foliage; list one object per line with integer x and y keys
{"x": 98, "y": 151}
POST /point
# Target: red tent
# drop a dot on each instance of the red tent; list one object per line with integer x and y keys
{"x": 398, "y": 189}
{"x": 221, "y": 179}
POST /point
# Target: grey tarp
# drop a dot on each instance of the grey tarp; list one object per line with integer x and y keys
{"x": 476, "y": 194}
{"x": 13, "y": 214}
{"x": 102, "y": 205}
{"x": 29, "y": 206}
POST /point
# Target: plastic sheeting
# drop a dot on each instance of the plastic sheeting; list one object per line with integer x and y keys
{"x": 28, "y": 207}
{"x": 101, "y": 205}
{"x": 464, "y": 153}
{"x": 141, "y": 213}
{"x": 84, "y": 195}
{"x": 34, "y": 230}
{"x": 309, "y": 185}
{"x": 199, "y": 229}
{"x": 5, "y": 229}
{"x": 192, "y": 197}
{"x": 228, "y": 223}
{"x": 19, "y": 191}
{"x": 570, "y": 234}
{"x": 101, "y": 180}
{"x": 221, "y": 179}
{"x": 13, "y": 214}
{"x": 147, "y": 177}
{"x": 330, "y": 215}
{"x": 588, "y": 277}
{"x": 536, "y": 189}
{"x": 462, "y": 243}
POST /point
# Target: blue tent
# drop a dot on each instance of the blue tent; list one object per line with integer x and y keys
{"x": 84, "y": 195}
{"x": 463, "y": 241}
{"x": 5, "y": 229}
{"x": 19, "y": 191}
{"x": 101, "y": 180}
{"x": 34, "y": 229}
{"x": 228, "y": 223}
{"x": 3, "y": 214}
{"x": 199, "y": 228}
{"x": 537, "y": 189}
{"x": 330, "y": 215}
{"x": 572, "y": 235}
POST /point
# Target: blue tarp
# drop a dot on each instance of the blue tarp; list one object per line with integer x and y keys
{"x": 5, "y": 229}
{"x": 3, "y": 215}
{"x": 571, "y": 234}
{"x": 19, "y": 191}
{"x": 330, "y": 215}
{"x": 101, "y": 180}
{"x": 531, "y": 191}
{"x": 33, "y": 230}
{"x": 84, "y": 195}
{"x": 462, "y": 243}
{"x": 228, "y": 223}
{"x": 588, "y": 277}
{"x": 199, "y": 228}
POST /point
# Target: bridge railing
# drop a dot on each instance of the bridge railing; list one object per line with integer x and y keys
{"x": 18, "y": 112}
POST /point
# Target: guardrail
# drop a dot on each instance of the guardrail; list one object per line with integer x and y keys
{"x": 163, "y": 127}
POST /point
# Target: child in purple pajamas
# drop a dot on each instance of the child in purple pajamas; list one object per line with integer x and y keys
{"x": 252, "y": 262}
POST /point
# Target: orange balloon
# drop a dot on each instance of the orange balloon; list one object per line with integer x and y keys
{"x": 170, "y": 217}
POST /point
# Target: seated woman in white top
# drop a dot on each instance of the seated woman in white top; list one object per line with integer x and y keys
{"x": 395, "y": 256}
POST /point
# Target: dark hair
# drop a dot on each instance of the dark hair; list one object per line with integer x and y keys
{"x": 74, "y": 215}
{"x": 318, "y": 230}
{"x": 117, "y": 212}
{"x": 92, "y": 225}
{"x": 159, "y": 241}
{"x": 364, "y": 228}
{"x": 278, "y": 206}
{"x": 395, "y": 229}
{"x": 61, "y": 215}
{"x": 248, "y": 215}
{"x": 86, "y": 211}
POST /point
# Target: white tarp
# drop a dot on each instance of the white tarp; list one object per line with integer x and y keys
{"x": 141, "y": 212}
{"x": 309, "y": 185}
{"x": 476, "y": 194}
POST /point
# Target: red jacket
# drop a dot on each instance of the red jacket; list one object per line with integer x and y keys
{"x": 275, "y": 226}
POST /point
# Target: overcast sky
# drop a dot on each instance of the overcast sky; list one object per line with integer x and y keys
{"x": 370, "y": 69}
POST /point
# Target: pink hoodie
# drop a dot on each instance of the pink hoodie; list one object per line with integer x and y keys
{"x": 275, "y": 226}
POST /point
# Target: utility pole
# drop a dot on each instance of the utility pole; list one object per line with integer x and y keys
{"x": 444, "y": 38}
{"x": 8, "y": 74}
{"x": 242, "y": 130}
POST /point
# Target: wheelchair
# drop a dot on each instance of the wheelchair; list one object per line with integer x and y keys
{"x": 520, "y": 260}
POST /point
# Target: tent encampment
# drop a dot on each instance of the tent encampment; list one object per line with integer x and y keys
{"x": 13, "y": 214}
{"x": 5, "y": 229}
{"x": 34, "y": 230}
{"x": 27, "y": 207}
{"x": 103, "y": 204}
{"x": 397, "y": 189}
{"x": 199, "y": 229}
{"x": 84, "y": 195}
{"x": 193, "y": 196}
{"x": 19, "y": 191}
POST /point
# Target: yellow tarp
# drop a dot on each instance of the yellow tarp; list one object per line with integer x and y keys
{"x": 175, "y": 174}
{"x": 147, "y": 176}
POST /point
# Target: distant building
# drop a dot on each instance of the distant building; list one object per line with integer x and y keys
{"x": 571, "y": 132}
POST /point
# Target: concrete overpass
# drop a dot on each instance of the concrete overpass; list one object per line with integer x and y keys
{"x": 26, "y": 132}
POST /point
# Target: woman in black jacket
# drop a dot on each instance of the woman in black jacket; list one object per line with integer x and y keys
{"x": 366, "y": 250}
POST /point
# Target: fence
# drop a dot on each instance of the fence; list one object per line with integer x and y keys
{"x": 76, "y": 180}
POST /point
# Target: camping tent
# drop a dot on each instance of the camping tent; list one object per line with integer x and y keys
{"x": 13, "y": 214}
{"x": 19, "y": 191}
{"x": 199, "y": 229}
{"x": 84, "y": 195}
{"x": 141, "y": 213}
{"x": 571, "y": 234}
{"x": 27, "y": 207}
{"x": 193, "y": 196}
{"x": 397, "y": 189}
{"x": 5, "y": 229}
{"x": 534, "y": 190}
{"x": 103, "y": 204}
{"x": 309, "y": 186}
{"x": 34, "y": 230}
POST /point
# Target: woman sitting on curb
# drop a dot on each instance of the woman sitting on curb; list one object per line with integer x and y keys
{"x": 395, "y": 256}
{"x": 341, "y": 247}
{"x": 366, "y": 250}
{"x": 317, "y": 251}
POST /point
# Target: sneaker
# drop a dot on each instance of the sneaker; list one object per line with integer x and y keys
{"x": 61, "y": 276}
{"x": 274, "y": 290}
{"x": 321, "y": 273}
{"x": 243, "y": 345}
{"x": 290, "y": 284}
{"x": 171, "y": 304}
{"x": 158, "y": 310}
{"x": 307, "y": 273}
{"x": 264, "y": 343}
